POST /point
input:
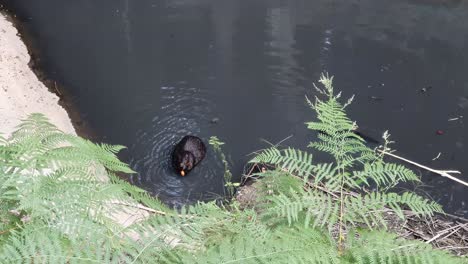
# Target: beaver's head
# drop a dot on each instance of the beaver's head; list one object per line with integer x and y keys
{"x": 187, "y": 160}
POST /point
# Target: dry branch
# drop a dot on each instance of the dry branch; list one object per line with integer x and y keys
{"x": 444, "y": 173}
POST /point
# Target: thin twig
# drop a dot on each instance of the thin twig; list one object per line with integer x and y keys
{"x": 452, "y": 247}
{"x": 454, "y": 217}
{"x": 404, "y": 246}
{"x": 323, "y": 189}
{"x": 451, "y": 233}
{"x": 438, "y": 156}
{"x": 56, "y": 89}
{"x": 249, "y": 174}
{"x": 414, "y": 232}
{"x": 457, "y": 227}
{"x": 151, "y": 210}
{"x": 444, "y": 173}
{"x": 455, "y": 118}
{"x": 139, "y": 206}
{"x": 256, "y": 152}
{"x": 7, "y": 230}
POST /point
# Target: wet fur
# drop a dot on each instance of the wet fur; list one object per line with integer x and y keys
{"x": 187, "y": 154}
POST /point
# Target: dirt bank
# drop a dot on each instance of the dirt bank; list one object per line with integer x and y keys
{"x": 21, "y": 92}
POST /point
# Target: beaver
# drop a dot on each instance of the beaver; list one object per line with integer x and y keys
{"x": 187, "y": 154}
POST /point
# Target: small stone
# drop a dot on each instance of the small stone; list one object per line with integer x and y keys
{"x": 426, "y": 89}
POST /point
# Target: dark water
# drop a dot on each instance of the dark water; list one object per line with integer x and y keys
{"x": 145, "y": 73}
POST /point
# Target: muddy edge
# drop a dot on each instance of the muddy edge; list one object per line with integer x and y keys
{"x": 82, "y": 127}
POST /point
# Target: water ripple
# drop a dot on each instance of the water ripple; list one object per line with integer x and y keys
{"x": 183, "y": 111}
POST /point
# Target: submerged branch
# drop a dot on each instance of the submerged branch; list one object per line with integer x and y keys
{"x": 444, "y": 173}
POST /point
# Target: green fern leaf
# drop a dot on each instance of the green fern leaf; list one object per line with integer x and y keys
{"x": 292, "y": 160}
{"x": 386, "y": 174}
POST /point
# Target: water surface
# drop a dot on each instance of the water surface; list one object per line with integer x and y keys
{"x": 144, "y": 73}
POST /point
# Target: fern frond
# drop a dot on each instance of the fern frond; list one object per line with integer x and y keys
{"x": 293, "y": 160}
{"x": 87, "y": 153}
{"x": 380, "y": 247}
{"x": 332, "y": 117}
{"x": 340, "y": 144}
{"x": 369, "y": 208}
{"x": 47, "y": 246}
{"x": 139, "y": 195}
{"x": 417, "y": 204}
{"x": 314, "y": 208}
{"x": 54, "y": 182}
{"x": 386, "y": 174}
{"x": 304, "y": 248}
{"x": 185, "y": 228}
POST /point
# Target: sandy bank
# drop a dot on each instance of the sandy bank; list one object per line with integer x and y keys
{"x": 21, "y": 93}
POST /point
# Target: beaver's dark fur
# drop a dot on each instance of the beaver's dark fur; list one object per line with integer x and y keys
{"x": 187, "y": 154}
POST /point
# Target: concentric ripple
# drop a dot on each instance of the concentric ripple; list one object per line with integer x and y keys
{"x": 183, "y": 111}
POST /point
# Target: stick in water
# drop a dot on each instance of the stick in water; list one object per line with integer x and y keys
{"x": 444, "y": 173}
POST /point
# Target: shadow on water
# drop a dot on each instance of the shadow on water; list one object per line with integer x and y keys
{"x": 145, "y": 73}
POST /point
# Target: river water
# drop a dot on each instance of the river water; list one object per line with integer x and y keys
{"x": 144, "y": 73}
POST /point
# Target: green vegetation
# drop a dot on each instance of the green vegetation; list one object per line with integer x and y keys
{"x": 351, "y": 190}
{"x": 230, "y": 186}
{"x": 62, "y": 203}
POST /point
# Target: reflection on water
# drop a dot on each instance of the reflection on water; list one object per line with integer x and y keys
{"x": 145, "y": 73}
